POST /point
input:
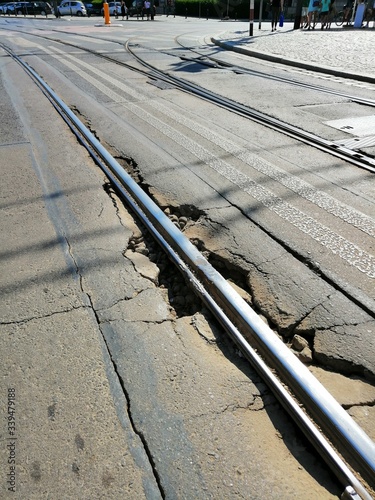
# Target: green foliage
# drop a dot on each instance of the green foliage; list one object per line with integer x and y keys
{"x": 234, "y": 9}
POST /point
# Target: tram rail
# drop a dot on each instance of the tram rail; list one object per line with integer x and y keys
{"x": 355, "y": 158}
{"x": 201, "y": 58}
{"x": 330, "y": 147}
{"x": 255, "y": 339}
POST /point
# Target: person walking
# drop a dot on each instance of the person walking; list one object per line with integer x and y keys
{"x": 370, "y": 14}
{"x": 123, "y": 9}
{"x": 324, "y": 13}
{"x": 147, "y": 6}
{"x": 304, "y": 12}
{"x": 331, "y": 14}
{"x": 348, "y": 11}
{"x": 313, "y": 12}
{"x": 276, "y": 8}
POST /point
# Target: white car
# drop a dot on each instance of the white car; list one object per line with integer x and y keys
{"x": 75, "y": 8}
{"x": 113, "y": 8}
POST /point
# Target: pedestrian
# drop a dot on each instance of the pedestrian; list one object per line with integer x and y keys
{"x": 348, "y": 11}
{"x": 276, "y": 8}
{"x": 147, "y": 7}
{"x": 123, "y": 9}
{"x": 370, "y": 15}
{"x": 324, "y": 13}
{"x": 313, "y": 11}
{"x": 304, "y": 12}
{"x": 331, "y": 14}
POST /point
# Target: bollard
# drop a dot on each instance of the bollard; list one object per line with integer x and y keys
{"x": 251, "y": 17}
{"x": 359, "y": 14}
{"x": 106, "y": 13}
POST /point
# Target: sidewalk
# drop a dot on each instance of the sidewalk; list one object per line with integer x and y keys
{"x": 342, "y": 52}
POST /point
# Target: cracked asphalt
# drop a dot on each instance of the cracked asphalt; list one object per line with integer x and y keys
{"x": 107, "y": 392}
{"x": 111, "y": 394}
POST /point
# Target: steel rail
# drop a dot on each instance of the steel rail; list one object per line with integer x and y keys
{"x": 358, "y": 159}
{"x": 218, "y": 64}
{"x": 316, "y": 438}
{"x": 252, "y": 72}
{"x": 313, "y": 140}
{"x": 346, "y": 154}
{"x": 289, "y": 81}
{"x": 355, "y": 490}
{"x": 306, "y": 66}
{"x": 349, "y": 438}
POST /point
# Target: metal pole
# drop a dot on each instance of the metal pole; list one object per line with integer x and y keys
{"x": 297, "y": 19}
{"x": 260, "y": 14}
{"x": 251, "y": 27}
{"x": 354, "y": 6}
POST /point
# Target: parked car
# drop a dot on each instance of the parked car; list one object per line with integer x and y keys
{"x": 136, "y": 8}
{"x": 113, "y": 8}
{"x": 9, "y": 8}
{"x": 93, "y": 9}
{"x": 29, "y": 8}
{"x": 74, "y": 8}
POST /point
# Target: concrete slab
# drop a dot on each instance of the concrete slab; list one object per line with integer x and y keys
{"x": 359, "y": 126}
{"x": 66, "y": 429}
{"x": 69, "y": 439}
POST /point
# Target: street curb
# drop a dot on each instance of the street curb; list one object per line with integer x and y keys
{"x": 231, "y": 45}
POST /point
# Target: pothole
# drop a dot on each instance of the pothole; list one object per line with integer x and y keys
{"x": 180, "y": 295}
{"x": 182, "y": 298}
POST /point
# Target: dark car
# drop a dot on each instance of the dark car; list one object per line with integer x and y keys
{"x": 93, "y": 9}
{"x": 29, "y": 8}
{"x": 136, "y": 8}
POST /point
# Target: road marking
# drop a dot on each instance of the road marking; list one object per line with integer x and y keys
{"x": 337, "y": 244}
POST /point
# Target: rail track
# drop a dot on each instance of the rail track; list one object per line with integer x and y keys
{"x": 330, "y": 147}
{"x": 358, "y": 159}
{"x": 203, "y": 58}
{"x": 265, "y": 351}
{"x": 160, "y": 78}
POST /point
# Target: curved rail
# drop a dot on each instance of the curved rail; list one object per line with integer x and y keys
{"x": 299, "y": 64}
{"x": 240, "y": 321}
{"x": 358, "y": 159}
{"x": 201, "y": 58}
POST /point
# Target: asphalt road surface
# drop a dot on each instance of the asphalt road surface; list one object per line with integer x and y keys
{"x": 116, "y": 382}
